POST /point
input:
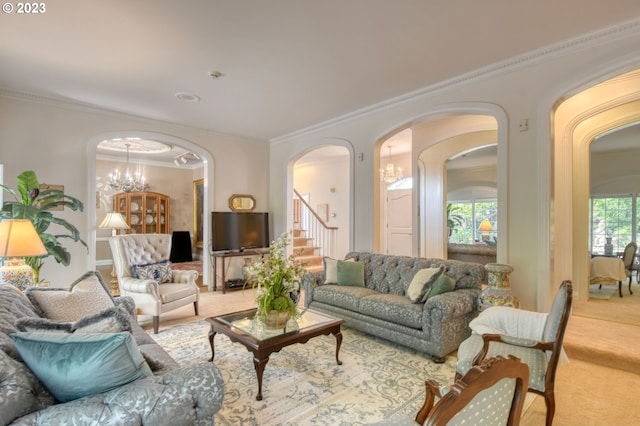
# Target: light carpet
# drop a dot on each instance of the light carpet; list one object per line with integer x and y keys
{"x": 303, "y": 385}
{"x": 604, "y": 293}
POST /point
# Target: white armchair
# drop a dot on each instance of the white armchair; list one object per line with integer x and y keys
{"x": 148, "y": 254}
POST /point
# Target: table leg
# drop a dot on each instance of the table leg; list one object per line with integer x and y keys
{"x": 338, "y": 344}
{"x": 259, "y": 364}
{"x": 212, "y": 334}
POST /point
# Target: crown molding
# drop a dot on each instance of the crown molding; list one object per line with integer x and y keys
{"x": 588, "y": 40}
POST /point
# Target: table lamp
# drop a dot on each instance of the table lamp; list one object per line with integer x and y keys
{"x": 114, "y": 221}
{"x": 485, "y": 227}
{"x": 18, "y": 239}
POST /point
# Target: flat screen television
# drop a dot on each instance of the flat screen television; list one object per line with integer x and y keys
{"x": 239, "y": 231}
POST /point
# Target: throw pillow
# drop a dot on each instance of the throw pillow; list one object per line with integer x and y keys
{"x": 87, "y": 296}
{"x": 112, "y": 320}
{"x": 331, "y": 270}
{"x": 350, "y": 273}
{"x": 72, "y": 366}
{"x": 421, "y": 284}
{"x": 160, "y": 272}
{"x": 443, "y": 284}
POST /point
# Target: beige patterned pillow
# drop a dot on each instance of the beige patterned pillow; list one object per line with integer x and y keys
{"x": 86, "y": 296}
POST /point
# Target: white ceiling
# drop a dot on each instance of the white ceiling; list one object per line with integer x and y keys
{"x": 286, "y": 64}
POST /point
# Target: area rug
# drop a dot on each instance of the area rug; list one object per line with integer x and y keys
{"x": 603, "y": 293}
{"x": 303, "y": 385}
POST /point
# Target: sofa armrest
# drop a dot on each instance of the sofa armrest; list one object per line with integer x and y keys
{"x": 449, "y": 305}
{"x": 309, "y": 282}
{"x": 189, "y": 395}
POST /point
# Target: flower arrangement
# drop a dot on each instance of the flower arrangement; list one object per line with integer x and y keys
{"x": 276, "y": 279}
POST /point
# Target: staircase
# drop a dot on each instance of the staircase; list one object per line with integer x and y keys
{"x": 304, "y": 251}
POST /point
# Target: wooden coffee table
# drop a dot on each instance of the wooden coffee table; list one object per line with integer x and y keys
{"x": 243, "y": 328}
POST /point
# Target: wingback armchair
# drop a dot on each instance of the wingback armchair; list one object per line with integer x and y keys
{"x": 534, "y": 337}
{"x": 143, "y": 270}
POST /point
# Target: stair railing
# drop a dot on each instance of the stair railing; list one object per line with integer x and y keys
{"x": 324, "y": 236}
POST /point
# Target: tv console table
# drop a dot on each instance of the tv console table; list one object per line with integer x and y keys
{"x": 222, "y": 255}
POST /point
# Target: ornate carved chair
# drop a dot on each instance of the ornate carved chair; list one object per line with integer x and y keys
{"x": 144, "y": 273}
{"x": 628, "y": 258}
{"x": 533, "y": 337}
{"x": 491, "y": 393}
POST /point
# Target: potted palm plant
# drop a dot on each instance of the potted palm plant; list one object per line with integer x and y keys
{"x": 275, "y": 280}
{"x": 454, "y": 218}
{"x": 36, "y": 206}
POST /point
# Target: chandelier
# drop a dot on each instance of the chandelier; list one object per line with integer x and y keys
{"x": 129, "y": 182}
{"x": 390, "y": 174}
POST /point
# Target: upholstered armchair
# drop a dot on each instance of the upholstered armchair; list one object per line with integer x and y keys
{"x": 144, "y": 273}
{"x": 535, "y": 338}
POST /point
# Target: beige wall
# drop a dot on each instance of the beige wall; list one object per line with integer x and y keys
{"x": 54, "y": 140}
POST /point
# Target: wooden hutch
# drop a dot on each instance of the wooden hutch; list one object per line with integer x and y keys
{"x": 145, "y": 212}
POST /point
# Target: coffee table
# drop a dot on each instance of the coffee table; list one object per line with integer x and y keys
{"x": 242, "y": 327}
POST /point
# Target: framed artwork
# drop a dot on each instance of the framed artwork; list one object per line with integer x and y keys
{"x": 198, "y": 213}
{"x": 44, "y": 186}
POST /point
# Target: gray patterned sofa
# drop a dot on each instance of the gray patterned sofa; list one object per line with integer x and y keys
{"x": 167, "y": 394}
{"x": 381, "y": 307}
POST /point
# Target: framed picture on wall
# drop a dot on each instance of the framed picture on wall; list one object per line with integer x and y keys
{"x": 44, "y": 186}
{"x": 198, "y": 212}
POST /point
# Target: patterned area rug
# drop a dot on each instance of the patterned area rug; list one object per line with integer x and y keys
{"x": 603, "y": 293}
{"x": 303, "y": 385}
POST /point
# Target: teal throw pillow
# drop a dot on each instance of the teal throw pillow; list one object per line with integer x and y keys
{"x": 72, "y": 366}
{"x": 350, "y": 273}
{"x": 160, "y": 272}
{"x": 444, "y": 284}
{"x": 422, "y": 282}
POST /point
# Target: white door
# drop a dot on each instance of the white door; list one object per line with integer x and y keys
{"x": 399, "y": 227}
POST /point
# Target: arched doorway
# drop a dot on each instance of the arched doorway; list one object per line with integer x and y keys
{"x": 94, "y": 204}
{"x": 578, "y": 120}
{"x": 321, "y": 197}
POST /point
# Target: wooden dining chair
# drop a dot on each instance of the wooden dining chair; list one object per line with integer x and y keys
{"x": 492, "y": 392}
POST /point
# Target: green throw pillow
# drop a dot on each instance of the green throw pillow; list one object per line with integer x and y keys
{"x": 331, "y": 270}
{"x": 422, "y": 282}
{"x": 350, "y": 273}
{"x": 72, "y": 366}
{"x": 444, "y": 284}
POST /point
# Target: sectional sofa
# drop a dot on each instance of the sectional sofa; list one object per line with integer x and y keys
{"x": 382, "y": 308}
{"x": 160, "y": 392}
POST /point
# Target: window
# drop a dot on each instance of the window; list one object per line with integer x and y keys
{"x": 614, "y": 217}
{"x": 471, "y": 214}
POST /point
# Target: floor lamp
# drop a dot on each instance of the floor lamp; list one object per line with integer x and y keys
{"x": 18, "y": 239}
{"x": 114, "y": 221}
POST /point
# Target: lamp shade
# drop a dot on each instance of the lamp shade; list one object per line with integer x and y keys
{"x": 113, "y": 220}
{"x": 18, "y": 238}
{"x": 485, "y": 226}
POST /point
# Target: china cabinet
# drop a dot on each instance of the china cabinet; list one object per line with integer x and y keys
{"x": 146, "y": 212}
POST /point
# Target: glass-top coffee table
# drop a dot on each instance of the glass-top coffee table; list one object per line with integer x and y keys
{"x": 242, "y": 327}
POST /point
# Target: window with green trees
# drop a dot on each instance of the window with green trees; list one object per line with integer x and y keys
{"x": 615, "y": 217}
{"x": 471, "y": 213}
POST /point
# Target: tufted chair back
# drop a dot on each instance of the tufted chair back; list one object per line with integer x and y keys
{"x": 140, "y": 249}
{"x": 152, "y": 297}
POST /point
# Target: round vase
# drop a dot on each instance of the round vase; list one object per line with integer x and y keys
{"x": 608, "y": 247}
{"x": 16, "y": 272}
{"x": 498, "y": 291}
{"x": 276, "y": 319}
